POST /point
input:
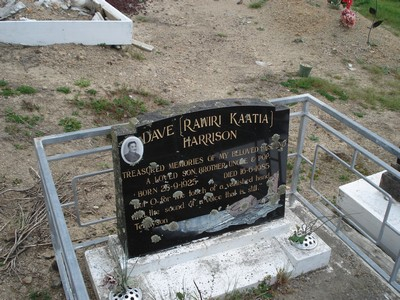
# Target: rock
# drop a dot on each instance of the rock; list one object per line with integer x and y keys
{"x": 48, "y": 254}
{"x": 27, "y": 280}
{"x": 56, "y": 282}
{"x": 10, "y": 9}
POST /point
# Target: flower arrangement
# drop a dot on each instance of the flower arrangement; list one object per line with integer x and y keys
{"x": 347, "y": 16}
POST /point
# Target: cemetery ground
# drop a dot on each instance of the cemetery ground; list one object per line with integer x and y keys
{"x": 202, "y": 50}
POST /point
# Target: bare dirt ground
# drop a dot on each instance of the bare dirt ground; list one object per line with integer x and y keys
{"x": 203, "y": 50}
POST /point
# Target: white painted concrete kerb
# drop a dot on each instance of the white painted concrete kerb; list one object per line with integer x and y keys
{"x": 116, "y": 30}
{"x": 366, "y": 206}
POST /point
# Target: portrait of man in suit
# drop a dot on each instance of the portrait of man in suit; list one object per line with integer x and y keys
{"x": 132, "y": 150}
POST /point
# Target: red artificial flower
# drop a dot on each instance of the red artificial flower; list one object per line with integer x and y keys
{"x": 349, "y": 3}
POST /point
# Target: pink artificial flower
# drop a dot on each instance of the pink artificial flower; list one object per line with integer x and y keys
{"x": 348, "y": 17}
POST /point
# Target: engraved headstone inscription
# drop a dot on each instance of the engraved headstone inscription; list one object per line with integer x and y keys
{"x": 192, "y": 172}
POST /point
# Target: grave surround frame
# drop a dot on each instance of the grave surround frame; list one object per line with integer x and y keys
{"x": 116, "y": 30}
{"x": 310, "y": 110}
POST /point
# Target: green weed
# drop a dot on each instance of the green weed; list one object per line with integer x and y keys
{"x": 326, "y": 95}
{"x": 91, "y": 92}
{"x": 344, "y": 178}
{"x": 221, "y": 35}
{"x": 321, "y": 86}
{"x": 137, "y": 56}
{"x": 100, "y": 105}
{"x": 161, "y": 102}
{"x": 313, "y": 138}
{"x": 127, "y": 107}
{"x": 7, "y": 92}
{"x": 63, "y": 89}
{"x": 257, "y": 4}
{"x": 358, "y": 114}
{"x": 12, "y": 117}
{"x": 82, "y": 83}
{"x": 3, "y": 83}
{"x": 142, "y": 19}
{"x": 26, "y": 89}
{"x": 20, "y": 146}
{"x": 70, "y": 124}
{"x": 39, "y": 295}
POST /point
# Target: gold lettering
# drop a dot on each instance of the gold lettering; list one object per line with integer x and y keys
{"x": 208, "y": 139}
{"x": 157, "y": 134}
{"x": 239, "y": 119}
{"x": 186, "y": 163}
{"x": 196, "y": 124}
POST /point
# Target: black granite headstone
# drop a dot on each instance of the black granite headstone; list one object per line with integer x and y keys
{"x": 214, "y": 167}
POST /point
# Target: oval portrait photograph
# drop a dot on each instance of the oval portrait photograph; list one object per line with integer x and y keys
{"x": 132, "y": 150}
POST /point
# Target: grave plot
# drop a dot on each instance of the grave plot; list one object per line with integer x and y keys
{"x": 107, "y": 27}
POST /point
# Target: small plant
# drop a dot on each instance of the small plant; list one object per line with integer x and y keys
{"x": 19, "y": 146}
{"x": 326, "y": 95}
{"x": 335, "y": 3}
{"x": 70, "y": 124}
{"x": 138, "y": 56}
{"x": 344, "y": 177}
{"x": 263, "y": 289}
{"x": 91, "y": 92}
{"x": 7, "y": 92}
{"x": 358, "y": 114}
{"x": 78, "y": 102}
{"x": 13, "y": 117}
{"x": 257, "y": 4}
{"x": 221, "y": 35}
{"x": 161, "y": 101}
{"x": 63, "y": 89}
{"x": 313, "y": 138}
{"x": 322, "y": 86}
{"x": 142, "y": 19}
{"x": 119, "y": 283}
{"x": 282, "y": 277}
{"x": 39, "y": 295}
{"x": 82, "y": 83}
{"x": 3, "y": 83}
{"x": 26, "y": 89}
{"x": 373, "y": 11}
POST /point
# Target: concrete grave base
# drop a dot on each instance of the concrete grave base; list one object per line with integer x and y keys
{"x": 366, "y": 206}
{"x": 218, "y": 265}
{"x": 117, "y": 29}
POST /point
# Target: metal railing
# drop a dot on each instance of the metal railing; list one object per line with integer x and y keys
{"x": 65, "y": 249}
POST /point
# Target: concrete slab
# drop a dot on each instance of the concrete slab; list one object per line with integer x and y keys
{"x": 235, "y": 260}
{"x": 366, "y": 206}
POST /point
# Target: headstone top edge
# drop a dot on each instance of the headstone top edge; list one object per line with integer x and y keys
{"x": 180, "y": 109}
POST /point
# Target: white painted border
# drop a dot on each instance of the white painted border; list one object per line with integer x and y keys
{"x": 117, "y": 30}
